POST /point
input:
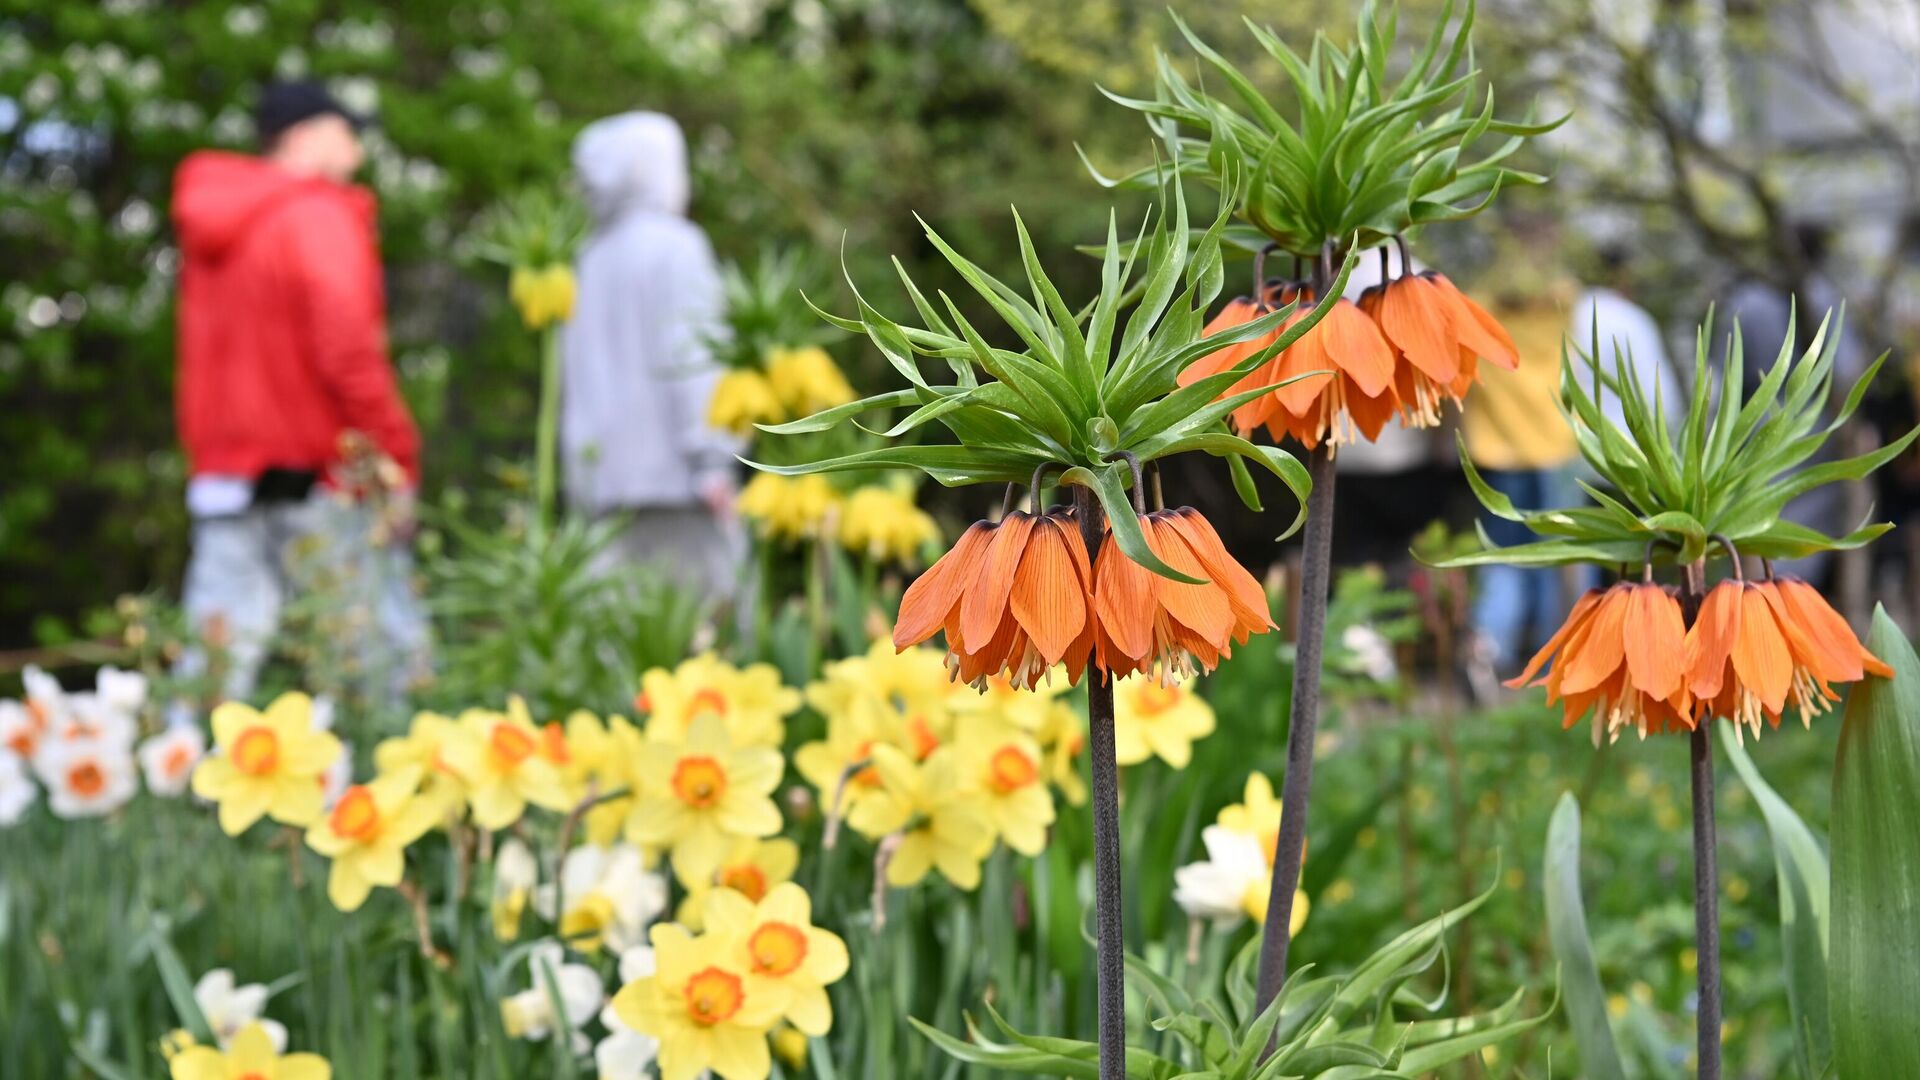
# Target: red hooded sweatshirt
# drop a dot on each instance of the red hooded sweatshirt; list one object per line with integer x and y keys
{"x": 282, "y": 330}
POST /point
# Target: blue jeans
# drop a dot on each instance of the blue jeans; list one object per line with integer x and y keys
{"x": 1515, "y": 602}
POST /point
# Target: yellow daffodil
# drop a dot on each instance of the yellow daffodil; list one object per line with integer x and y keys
{"x": 544, "y": 295}
{"x": 251, "y": 1058}
{"x": 1234, "y": 882}
{"x": 782, "y": 953}
{"x": 698, "y": 1005}
{"x": 498, "y": 755}
{"x": 941, "y": 821}
{"x": 840, "y": 767}
{"x": 1064, "y": 735}
{"x": 1256, "y": 815}
{"x": 750, "y": 700}
{"x": 422, "y": 747}
{"x": 911, "y": 680}
{"x": 790, "y": 1046}
{"x": 1155, "y": 720}
{"x": 1000, "y": 699}
{"x": 269, "y": 763}
{"x": 807, "y": 380}
{"x": 742, "y": 399}
{"x": 175, "y": 1042}
{"x": 367, "y": 833}
{"x": 607, "y": 818}
{"x": 789, "y": 508}
{"x": 699, "y": 796}
{"x": 1007, "y": 766}
{"x": 751, "y": 867}
{"x": 883, "y": 524}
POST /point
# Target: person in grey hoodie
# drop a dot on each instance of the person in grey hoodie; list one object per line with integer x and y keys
{"x": 637, "y": 370}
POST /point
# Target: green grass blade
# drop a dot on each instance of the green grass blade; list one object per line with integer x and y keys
{"x": 1875, "y": 974}
{"x": 1567, "y": 927}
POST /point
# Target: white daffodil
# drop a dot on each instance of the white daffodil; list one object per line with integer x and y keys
{"x": 230, "y": 1008}
{"x": 21, "y": 729}
{"x": 610, "y": 897}
{"x": 85, "y": 777}
{"x": 515, "y": 873}
{"x": 43, "y": 689}
{"x": 529, "y": 1014}
{"x": 1232, "y": 883}
{"x": 121, "y": 691}
{"x": 167, "y": 759}
{"x": 1371, "y": 654}
{"x": 625, "y": 1053}
{"x": 84, "y": 717}
{"x": 17, "y": 789}
{"x": 1219, "y": 887}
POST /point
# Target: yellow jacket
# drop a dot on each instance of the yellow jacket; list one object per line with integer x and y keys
{"x": 1512, "y": 419}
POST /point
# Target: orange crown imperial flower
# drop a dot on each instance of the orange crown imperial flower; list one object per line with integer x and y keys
{"x": 1012, "y": 597}
{"x": 1406, "y": 347}
{"x": 1757, "y": 648}
{"x": 1618, "y": 656}
{"x": 1018, "y": 597}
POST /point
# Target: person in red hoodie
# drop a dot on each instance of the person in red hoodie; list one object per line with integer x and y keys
{"x": 282, "y": 353}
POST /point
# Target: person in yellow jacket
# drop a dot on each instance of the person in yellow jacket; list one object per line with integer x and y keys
{"x": 1521, "y": 444}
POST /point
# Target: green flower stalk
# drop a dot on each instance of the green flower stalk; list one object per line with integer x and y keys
{"x": 1662, "y": 659}
{"x": 534, "y": 235}
{"x": 1360, "y": 161}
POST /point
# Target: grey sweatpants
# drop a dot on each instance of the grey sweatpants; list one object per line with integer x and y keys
{"x": 246, "y": 568}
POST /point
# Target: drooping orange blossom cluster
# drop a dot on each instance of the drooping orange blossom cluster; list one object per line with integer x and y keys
{"x": 1408, "y": 345}
{"x": 1626, "y": 655}
{"x": 1019, "y": 596}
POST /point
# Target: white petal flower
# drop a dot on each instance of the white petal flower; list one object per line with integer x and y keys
{"x": 167, "y": 759}
{"x": 229, "y": 1008}
{"x": 122, "y": 691}
{"x": 625, "y": 1053}
{"x": 529, "y": 1014}
{"x": 1218, "y": 887}
{"x": 17, "y": 789}
{"x": 636, "y": 964}
{"x": 85, "y": 777}
{"x": 20, "y": 729}
{"x": 43, "y": 689}
{"x": 334, "y": 782}
{"x": 607, "y": 891}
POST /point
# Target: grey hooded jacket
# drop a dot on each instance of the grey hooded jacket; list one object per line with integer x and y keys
{"x": 637, "y": 371}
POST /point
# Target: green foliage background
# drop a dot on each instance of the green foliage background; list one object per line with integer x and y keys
{"x": 810, "y": 122}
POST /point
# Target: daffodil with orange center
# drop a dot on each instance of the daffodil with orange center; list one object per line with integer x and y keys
{"x": 1155, "y": 719}
{"x": 1757, "y": 648}
{"x": 1009, "y": 772}
{"x": 422, "y": 747}
{"x": 1437, "y": 336}
{"x": 367, "y": 832}
{"x": 699, "y": 796}
{"x": 1012, "y": 598}
{"x": 498, "y": 756}
{"x": 940, "y": 818}
{"x": 785, "y": 957}
{"x": 1171, "y": 629}
{"x": 751, "y": 867}
{"x": 698, "y": 1004}
{"x": 751, "y": 700}
{"x": 251, "y": 1057}
{"x": 268, "y": 763}
{"x": 1621, "y": 656}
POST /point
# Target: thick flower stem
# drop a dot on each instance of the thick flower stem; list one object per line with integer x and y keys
{"x": 546, "y": 483}
{"x": 1110, "y": 960}
{"x": 1706, "y": 903}
{"x": 1316, "y": 566}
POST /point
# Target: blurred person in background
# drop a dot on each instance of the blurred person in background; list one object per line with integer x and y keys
{"x": 1522, "y": 446}
{"x": 638, "y": 371}
{"x": 1607, "y": 314}
{"x": 286, "y": 402}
